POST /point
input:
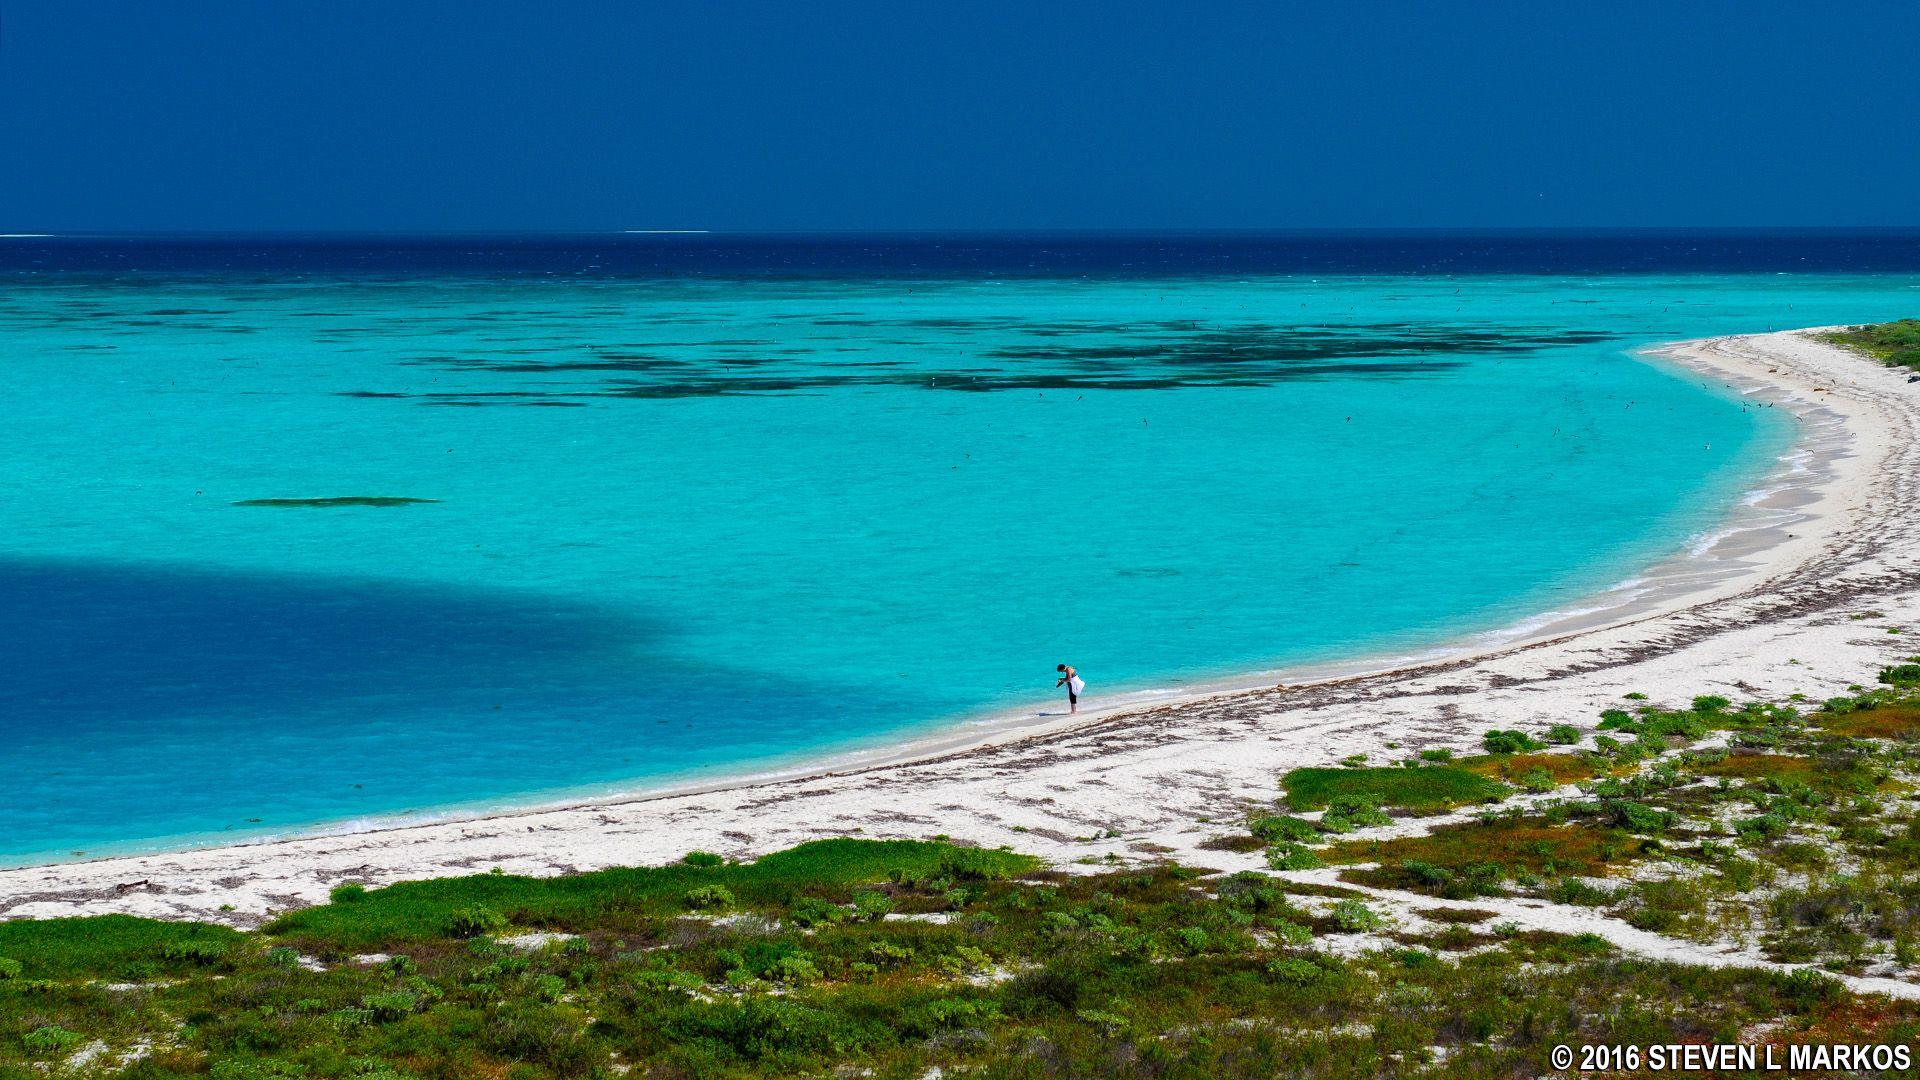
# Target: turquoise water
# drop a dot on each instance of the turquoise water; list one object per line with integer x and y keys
{"x": 680, "y": 529}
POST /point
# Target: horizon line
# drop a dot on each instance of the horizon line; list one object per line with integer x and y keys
{"x": 965, "y": 231}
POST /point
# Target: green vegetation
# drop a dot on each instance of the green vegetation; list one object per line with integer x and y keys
{"x": 110, "y": 946}
{"x": 1271, "y": 827}
{"x": 1489, "y": 852}
{"x": 1795, "y": 833}
{"x": 1756, "y": 765}
{"x": 1423, "y": 789}
{"x": 1349, "y": 812}
{"x": 415, "y": 911}
{"x": 1510, "y": 742}
{"x": 1515, "y": 768}
{"x": 1156, "y": 972}
{"x": 1894, "y": 721}
{"x": 1893, "y": 343}
{"x": 1714, "y": 823}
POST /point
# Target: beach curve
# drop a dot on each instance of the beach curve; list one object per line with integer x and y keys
{"x": 1138, "y": 782}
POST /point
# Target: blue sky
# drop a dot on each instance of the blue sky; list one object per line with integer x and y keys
{"x": 398, "y": 115}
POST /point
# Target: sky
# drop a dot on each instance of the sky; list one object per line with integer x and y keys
{"x": 409, "y": 115}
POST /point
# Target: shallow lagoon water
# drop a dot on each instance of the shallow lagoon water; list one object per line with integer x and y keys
{"x": 683, "y": 526}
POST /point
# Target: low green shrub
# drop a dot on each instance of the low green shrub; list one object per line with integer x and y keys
{"x": 475, "y": 920}
{"x": 1355, "y": 917}
{"x": 1806, "y": 987}
{"x": 1905, "y": 675}
{"x": 1271, "y": 827}
{"x": 1252, "y": 891}
{"x": 1497, "y": 741}
{"x": 972, "y": 864}
{"x": 1538, "y": 781}
{"x": 1346, "y": 813}
{"x": 49, "y": 1041}
{"x": 870, "y": 905}
{"x": 1469, "y": 881}
{"x": 813, "y": 911}
{"x": 1763, "y": 826}
{"x": 707, "y": 897}
{"x": 1289, "y": 855}
{"x": 952, "y": 1015}
{"x": 390, "y": 1006}
{"x": 1639, "y": 817}
{"x": 203, "y": 953}
{"x": 1574, "y": 891}
{"x": 1294, "y": 971}
{"x": 1192, "y": 940}
{"x": 794, "y": 970}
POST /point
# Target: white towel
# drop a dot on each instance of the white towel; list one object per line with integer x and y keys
{"x": 1078, "y": 685}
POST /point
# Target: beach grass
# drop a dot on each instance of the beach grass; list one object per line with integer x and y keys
{"x": 466, "y": 907}
{"x": 1421, "y": 789}
{"x": 1895, "y": 343}
{"x": 113, "y": 946}
{"x": 898, "y": 958}
{"x": 1152, "y": 972}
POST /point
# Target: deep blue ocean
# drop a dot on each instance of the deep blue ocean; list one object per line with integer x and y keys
{"x": 690, "y": 506}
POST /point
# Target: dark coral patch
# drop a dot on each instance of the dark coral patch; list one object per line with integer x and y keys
{"x": 338, "y": 500}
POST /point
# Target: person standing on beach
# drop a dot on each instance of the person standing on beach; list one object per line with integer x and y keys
{"x": 1070, "y": 679}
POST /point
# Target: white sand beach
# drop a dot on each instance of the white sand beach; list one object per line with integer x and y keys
{"x": 1767, "y": 608}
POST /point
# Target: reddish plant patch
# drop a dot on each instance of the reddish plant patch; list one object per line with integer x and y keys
{"x": 1528, "y": 843}
{"x": 1564, "y": 768}
{"x": 1889, "y": 722}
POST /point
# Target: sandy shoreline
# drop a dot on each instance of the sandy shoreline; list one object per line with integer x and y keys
{"x": 1762, "y": 610}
